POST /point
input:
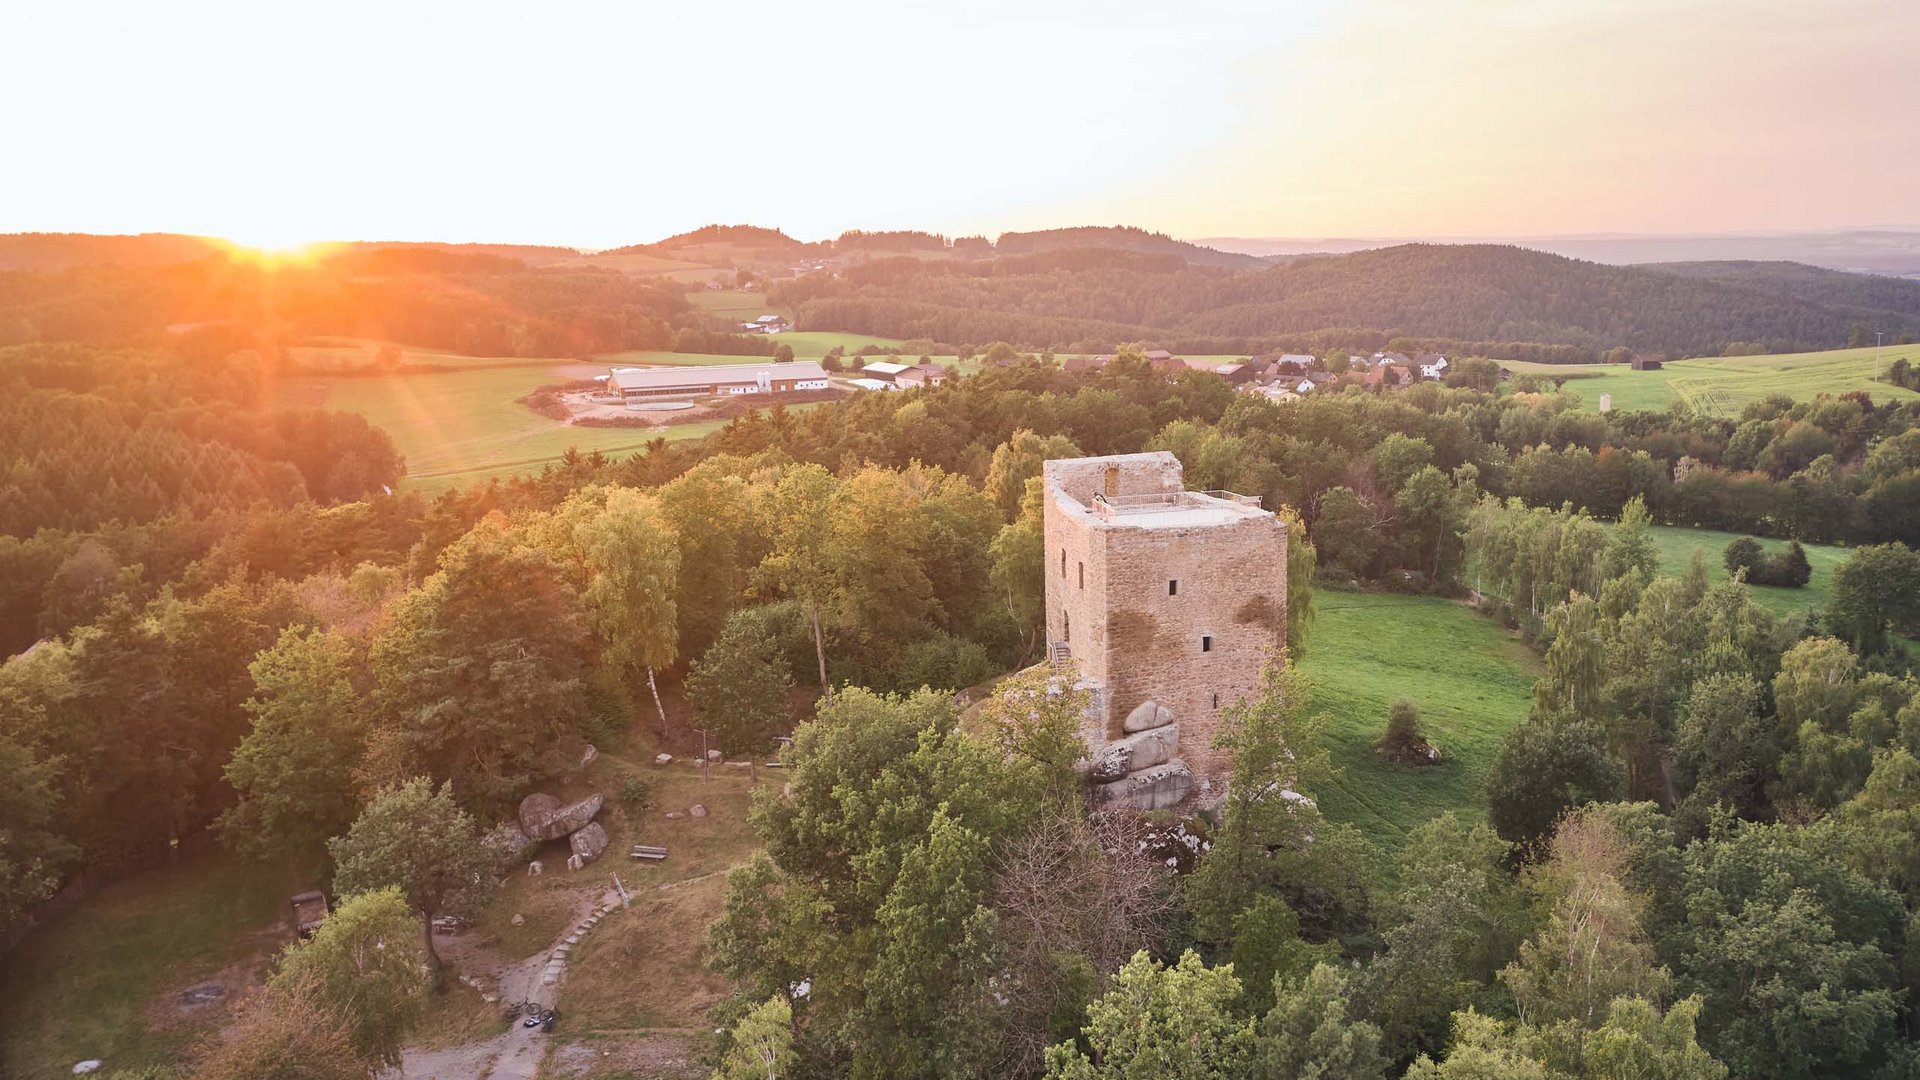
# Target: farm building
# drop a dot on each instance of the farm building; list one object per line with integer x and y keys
{"x": 1645, "y": 362}
{"x": 1235, "y": 373}
{"x": 766, "y": 324}
{"x": 871, "y": 384}
{"x": 921, "y": 375}
{"x": 645, "y": 384}
{"x": 884, "y": 371}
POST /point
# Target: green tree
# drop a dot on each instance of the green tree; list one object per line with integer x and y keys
{"x": 1744, "y": 553}
{"x": 1545, "y": 766}
{"x": 1727, "y": 745}
{"x": 800, "y": 564}
{"x": 1347, "y": 531}
{"x": 295, "y": 770}
{"x": 1593, "y": 948}
{"x": 625, "y": 562}
{"x": 1630, "y": 545}
{"x": 417, "y": 840}
{"x": 365, "y": 962}
{"x": 1019, "y": 460}
{"x": 1398, "y": 457}
{"x": 761, "y": 1045}
{"x": 1162, "y": 1023}
{"x": 32, "y": 852}
{"x": 1019, "y": 570}
{"x": 1788, "y": 950}
{"x": 1876, "y": 593}
{"x": 1312, "y": 1034}
{"x": 740, "y": 687}
{"x": 481, "y": 671}
{"x": 1402, "y": 736}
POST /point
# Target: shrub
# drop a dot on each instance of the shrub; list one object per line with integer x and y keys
{"x": 1743, "y": 554}
{"x": 1403, "y": 739}
{"x": 634, "y": 794}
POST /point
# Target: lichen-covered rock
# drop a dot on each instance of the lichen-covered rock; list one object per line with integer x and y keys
{"x": 1155, "y": 746}
{"x": 507, "y": 845}
{"x": 535, "y": 809}
{"x": 546, "y": 819}
{"x": 1146, "y": 716}
{"x": 588, "y": 841}
{"x": 1149, "y": 789}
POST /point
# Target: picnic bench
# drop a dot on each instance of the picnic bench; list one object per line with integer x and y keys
{"x": 644, "y": 851}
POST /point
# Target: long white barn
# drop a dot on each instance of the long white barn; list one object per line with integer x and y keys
{"x": 652, "y": 383}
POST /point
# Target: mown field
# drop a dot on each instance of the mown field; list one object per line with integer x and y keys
{"x": 103, "y": 980}
{"x": 1472, "y": 680}
{"x": 454, "y": 427}
{"x": 1722, "y": 386}
{"x": 1676, "y": 546}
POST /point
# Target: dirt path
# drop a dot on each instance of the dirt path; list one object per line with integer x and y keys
{"x": 517, "y": 1052}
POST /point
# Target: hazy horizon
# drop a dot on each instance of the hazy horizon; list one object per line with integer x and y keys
{"x": 601, "y": 124}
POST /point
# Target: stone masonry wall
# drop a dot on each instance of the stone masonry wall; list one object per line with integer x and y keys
{"x": 1107, "y": 596}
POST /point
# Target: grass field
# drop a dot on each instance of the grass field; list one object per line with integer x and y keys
{"x": 1472, "y": 680}
{"x": 1676, "y": 546}
{"x": 452, "y": 426}
{"x": 1722, "y": 386}
{"x": 96, "y": 982}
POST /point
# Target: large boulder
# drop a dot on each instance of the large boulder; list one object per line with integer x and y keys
{"x": 507, "y": 845}
{"x": 1146, "y": 716}
{"x": 544, "y": 818}
{"x": 535, "y": 809}
{"x": 1149, "y": 789}
{"x": 588, "y": 842}
{"x": 1155, "y": 746}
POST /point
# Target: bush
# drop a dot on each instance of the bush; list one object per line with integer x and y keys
{"x": 634, "y": 794}
{"x": 1788, "y": 569}
{"x": 1403, "y": 739}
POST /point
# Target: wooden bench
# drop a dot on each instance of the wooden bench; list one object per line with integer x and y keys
{"x": 643, "y": 851}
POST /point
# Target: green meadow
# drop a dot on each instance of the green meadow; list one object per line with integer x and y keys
{"x": 1724, "y": 385}
{"x": 1472, "y": 680}
{"x": 459, "y": 426}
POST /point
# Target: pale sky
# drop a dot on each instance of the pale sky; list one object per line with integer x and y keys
{"x": 595, "y": 124}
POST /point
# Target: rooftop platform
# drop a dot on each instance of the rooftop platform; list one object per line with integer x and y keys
{"x": 1175, "y": 509}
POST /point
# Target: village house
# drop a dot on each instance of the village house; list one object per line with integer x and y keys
{"x": 1431, "y": 365}
{"x": 658, "y": 383}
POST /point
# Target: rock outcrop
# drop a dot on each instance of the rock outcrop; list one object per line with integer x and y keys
{"x": 588, "y": 841}
{"x": 1155, "y": 746}
{"x": 1148, "y": 789}
{"x": 543, "y": 818}
{"x": 1146, "y": 716}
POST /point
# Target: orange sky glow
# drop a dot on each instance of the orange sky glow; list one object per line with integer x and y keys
{"x": 603, "y": 123}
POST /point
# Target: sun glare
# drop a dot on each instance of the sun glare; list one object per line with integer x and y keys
{"x": 268, "y": 246}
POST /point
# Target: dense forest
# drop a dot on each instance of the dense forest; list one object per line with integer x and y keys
{"x": 475, "y": 303}
{"x": 1487, "y": 300}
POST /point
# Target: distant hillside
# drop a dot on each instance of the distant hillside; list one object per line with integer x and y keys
{"x": 1871, "y": 295}
{"x": 738, "y": 235}
{"x": 1121, "y": 237}
{"x": 1498, "y": 300}
{"x": 58, "y": 251}
{"x": 1873, "y": 251}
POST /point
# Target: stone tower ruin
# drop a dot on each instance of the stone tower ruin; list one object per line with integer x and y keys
{"x": 1166, "y": 602}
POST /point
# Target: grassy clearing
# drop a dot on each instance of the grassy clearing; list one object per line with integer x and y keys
{"x": 454, "y": 427}
{"x": 1677, "y": 544}
{"x": 100, "y": 980}
{"x": 1472, "y": 680}
{"x": 1722, "y": 386}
